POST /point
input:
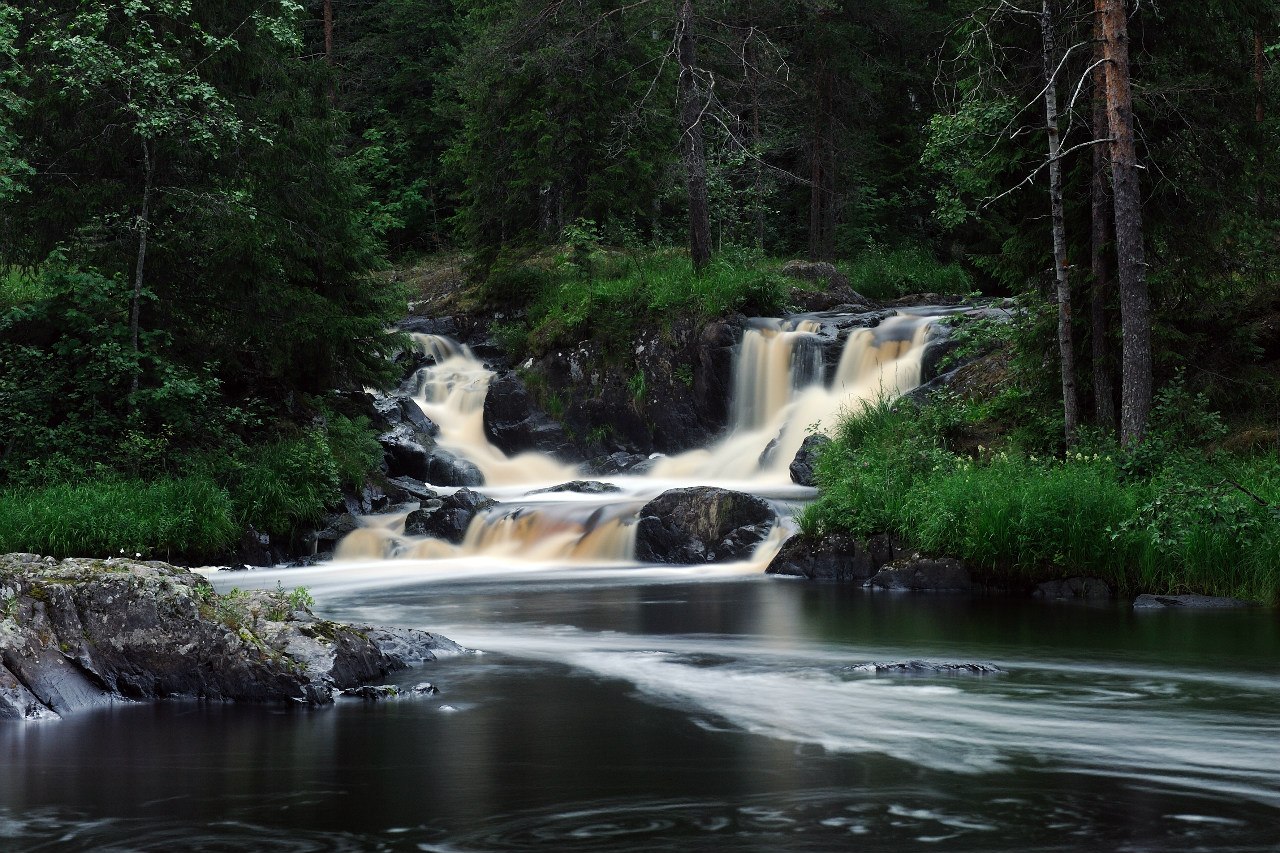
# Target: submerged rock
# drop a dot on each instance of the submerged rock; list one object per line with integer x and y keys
{"x": 447, "y": 518}
{"x": 79, "y": 634}
{"x": 923, "y": 574}
{"x": 1190, "y": 602}
{"x": 583, "y": 487}
{"x": 701, "y": 525}
{"x": 1090, "y": 589}
{"x": 619, "y": 463}
{"x": 924, "y": 667}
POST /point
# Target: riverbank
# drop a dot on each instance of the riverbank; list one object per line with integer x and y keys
{"x": 79, "y": 634}
{"x": 1168, "y": 517}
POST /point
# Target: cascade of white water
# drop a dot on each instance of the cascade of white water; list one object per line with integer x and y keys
{"x": 780, "y": 394}
{"x": 451, "y": 392}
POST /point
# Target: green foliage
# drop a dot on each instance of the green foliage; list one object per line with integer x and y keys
{"x": 106, "y": 516}
{"x": 280, "y": 486}
{"x": 616, "y": 294}
{"x": 1187, "y": 528}
{"x": 887, "y": 274}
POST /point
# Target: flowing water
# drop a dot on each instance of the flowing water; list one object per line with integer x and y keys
{"x": 620, "y": 706}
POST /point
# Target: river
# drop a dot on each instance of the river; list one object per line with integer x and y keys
{"x": 614, "y": 705}
{"x": 697, "y": 709}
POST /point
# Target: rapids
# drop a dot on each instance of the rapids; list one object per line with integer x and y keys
{"x": 780, "y": 394}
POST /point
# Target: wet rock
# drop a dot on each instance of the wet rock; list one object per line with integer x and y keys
{"x": 447, "y": 518}
{"x": 924, "y": 667}
{"x": 405, "y": 410}
{"x": 1090, "y": 589}
{"x": 447, "y": 326}
{"x": 619, "y": 463}
{"x": 1190, "y": 602}
{"x": 337, "y": 527}
{"x": 806, "y": 457}
{"x": 920, "y": 574}
{"x": 584, "y": 487}
{"x": 415, "y": 489}
{"x": 382, "y": 692}
{"x": 79, "y": 634}
{"x": 407, "y": 456}
{"x": 701, "y": 525}
{"x": 835, "y": 557}
{"x": 713, "y": 371}
{"x": 515, "y": 423}
{"x": 939, "y": 344}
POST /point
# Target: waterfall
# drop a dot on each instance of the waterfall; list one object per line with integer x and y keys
{"x": 780, "y": 393}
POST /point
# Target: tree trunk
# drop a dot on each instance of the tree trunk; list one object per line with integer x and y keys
{"x": 1131, "y": 265}
{"x": 1260, "y": 114}
{"x": 822, "y": 171}
{"x": 1103, "y": 388}
{"x": 691, "y": 142}
{"x": 144, "y": 228}
{"x": 1066, "y": 349}
{"x": 328, "y": 31}
{"x": 753, "y": 83}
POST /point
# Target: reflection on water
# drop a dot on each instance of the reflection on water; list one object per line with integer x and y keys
{"x": 670, "y": 713}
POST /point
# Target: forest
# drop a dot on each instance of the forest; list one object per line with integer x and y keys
{"x": 211, "y": 213}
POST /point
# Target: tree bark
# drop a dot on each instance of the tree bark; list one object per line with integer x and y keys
{"x": 1260, "y": 114}
{"x": 753, "y": 84}
{"x": 1066, "y": 348}
{"x": 1104, "y": 404}
{"x": 328, "y": 31}
{"x": 144, "y": 228}
{"x": 691, "y": 141}
{"x": 1135, "y": 304}
{"x": 822, "y": 171}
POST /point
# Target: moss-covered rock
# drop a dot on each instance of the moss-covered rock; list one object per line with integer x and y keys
{"x": 78, "y": 633}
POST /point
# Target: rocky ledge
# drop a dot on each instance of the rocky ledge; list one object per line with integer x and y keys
{"x": 80, "y": 633}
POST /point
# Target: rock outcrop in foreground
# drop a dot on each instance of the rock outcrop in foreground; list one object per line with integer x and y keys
{"x": 83, "y": 633}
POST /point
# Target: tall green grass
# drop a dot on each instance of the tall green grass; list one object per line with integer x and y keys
{"x": 1016, "y": 518}
{"x": 20, "y": 287}
{"x": 607, "y": 295}
{"x": 189, "y": 516}
{"x": 890, "y": 273}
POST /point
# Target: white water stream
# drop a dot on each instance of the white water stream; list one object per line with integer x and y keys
{"x": 780, "y": 395}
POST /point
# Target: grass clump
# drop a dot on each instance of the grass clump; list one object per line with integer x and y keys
{"x": 184, "y": 515}
{"x": 593, "y": 293}
{"x": 1163, "y": 518}
{"x": 889, "y": 273}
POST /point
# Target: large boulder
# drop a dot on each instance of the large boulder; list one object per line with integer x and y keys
{"x": 409, "y": 453}
{"x": 402, "y": 409}
{"x": 80, "y": 634}
{"x": 834, "y": 557}
{"x": 515, "y": 423}
{"x": 447, "y": 518}
{"x": 701, "y": 525}
{"x": 806, "y": 457}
